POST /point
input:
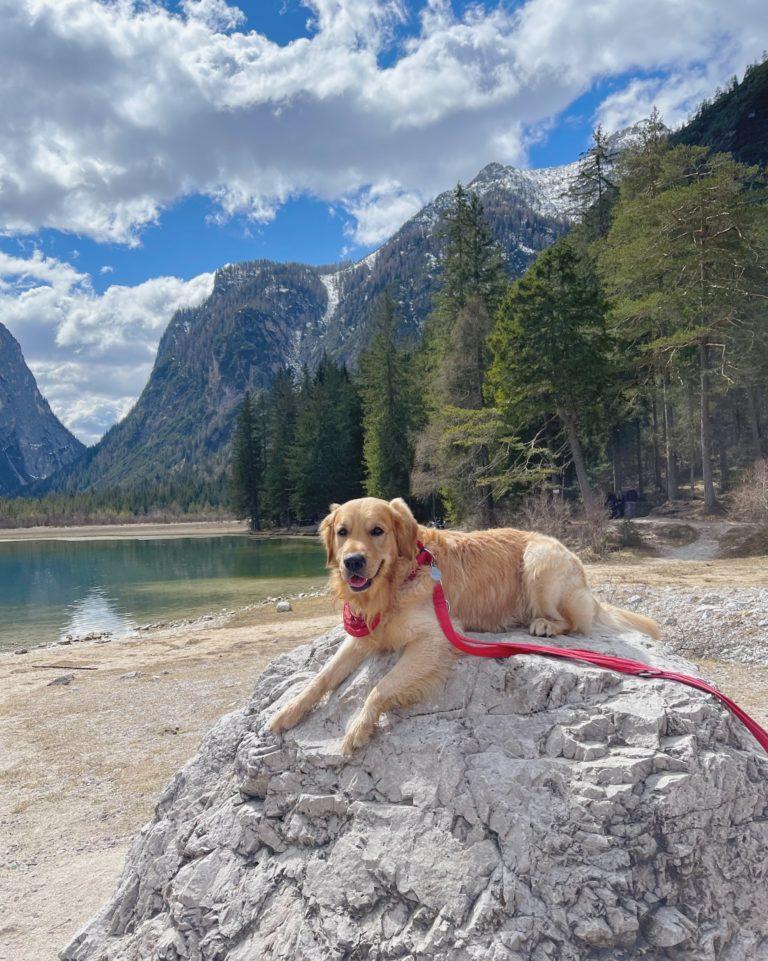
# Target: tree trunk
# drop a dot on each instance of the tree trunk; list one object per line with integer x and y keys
{"x": 656, "y": 458}
{"x": 725, "y": 479}
{"x": 577, "y": 454}
{"x": 710, "y": 501}
{"x": 721, "y": 426}
{"x": 616, "y": 465}
{"x": 487, "y": 504}
{"x": 692, "y": 436}
{"x": 754, "y": 423}
{"x": 556, "y": 477}
{"x": 639, "y": 451}
{"x": 670, "y": 454}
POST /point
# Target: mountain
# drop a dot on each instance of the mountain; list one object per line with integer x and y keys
{"x": 262, "y": 316}
{"x": 736, "y": 121}
{"x": 33, "y": 443}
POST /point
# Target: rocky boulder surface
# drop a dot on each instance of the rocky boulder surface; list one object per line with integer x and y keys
{"x": 533, "y": 810}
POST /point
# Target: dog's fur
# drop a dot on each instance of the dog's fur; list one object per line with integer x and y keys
{"x": 493, "y": 579}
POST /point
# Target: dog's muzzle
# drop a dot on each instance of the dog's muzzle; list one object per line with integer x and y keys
{"x": 354, "y": 565}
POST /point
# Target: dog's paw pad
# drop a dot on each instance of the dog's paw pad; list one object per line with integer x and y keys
{"x": 541, "y": 627}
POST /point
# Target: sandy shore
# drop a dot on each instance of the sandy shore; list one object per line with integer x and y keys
{"x": 99, "y": 532}
{"x": 81, "y": 765}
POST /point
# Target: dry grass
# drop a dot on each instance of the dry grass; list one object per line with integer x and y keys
{"x": 629, "y": 569}
{"x": 749, "y": 500}
{"x": 587, "y": 534}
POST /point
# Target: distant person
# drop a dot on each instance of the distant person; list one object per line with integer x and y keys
{"x": 612, "y": 503}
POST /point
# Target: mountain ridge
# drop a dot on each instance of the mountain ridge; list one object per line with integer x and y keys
{"x": 33, "y": 442}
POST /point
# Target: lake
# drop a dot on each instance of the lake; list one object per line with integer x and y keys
{"x": 52, "y": 588}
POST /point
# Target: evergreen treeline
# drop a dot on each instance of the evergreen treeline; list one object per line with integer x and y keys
{"x": 190, "y": 498}
{"x": 298, "y": 447}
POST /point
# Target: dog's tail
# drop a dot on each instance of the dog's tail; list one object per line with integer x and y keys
{"x": 607, "y": 615}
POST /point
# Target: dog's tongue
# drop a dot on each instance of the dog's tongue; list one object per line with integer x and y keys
{"x": 357, "y": 580}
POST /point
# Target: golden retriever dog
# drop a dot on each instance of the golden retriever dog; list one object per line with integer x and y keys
{"x": 493, "y": 580}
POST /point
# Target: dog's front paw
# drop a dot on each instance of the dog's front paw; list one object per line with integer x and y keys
{"x": 358, "y": 733}
{"x": 541, "y": 627}
{"x": 288, "y": 716}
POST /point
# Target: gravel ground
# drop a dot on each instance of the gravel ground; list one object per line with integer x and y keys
{"x": 706, "y": 624}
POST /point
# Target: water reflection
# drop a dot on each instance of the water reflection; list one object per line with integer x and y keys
{"x": 96, "y": 612}
{"x": 52, "y": 588}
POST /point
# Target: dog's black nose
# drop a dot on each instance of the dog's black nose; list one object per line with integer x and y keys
{"x": 354, "y": 563}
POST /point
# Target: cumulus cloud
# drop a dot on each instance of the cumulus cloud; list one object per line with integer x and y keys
{"x": 90, "y": 353}
{"x": 109, "y": 112}
{"x": 218, "y": 15}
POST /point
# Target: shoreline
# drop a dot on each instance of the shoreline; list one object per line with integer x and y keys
{"x": 210, "y": 620}
{"x": 149, "y": 530}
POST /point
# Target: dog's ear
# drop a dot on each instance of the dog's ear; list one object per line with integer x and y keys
{"x": 326, "y": 531}
{"x": 406, "y": 528}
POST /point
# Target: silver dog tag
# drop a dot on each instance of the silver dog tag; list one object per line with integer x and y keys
{"x": 434, "y": 572}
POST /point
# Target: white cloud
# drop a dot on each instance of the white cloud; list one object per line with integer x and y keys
{"x": 218, "y": 15}
{"x": 110, "y": 112}
{"x": 380, "y": 210}
{"x": 676, "y": 97}
{"x": 90, "y": 353}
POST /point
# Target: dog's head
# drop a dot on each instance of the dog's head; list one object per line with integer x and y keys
{"x": 368, "y": 542}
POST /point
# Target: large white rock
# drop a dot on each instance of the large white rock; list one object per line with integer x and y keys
{"x": 535, "y": 810}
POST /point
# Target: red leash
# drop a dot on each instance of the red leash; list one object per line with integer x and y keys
{"x": 356, "y": 625}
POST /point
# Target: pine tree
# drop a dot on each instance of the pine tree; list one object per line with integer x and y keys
{"x": 551, "y": 351}
{"x": 325, "y": 458}
{"x": 454, "y": 361}
{"x": 473, "y": 264}
{"x": 247, "y": 465}
{"x": 593, "y": 191}
{"x": 387, "y": 394}
{"x": 280, "y": 430}
{"x": 642, "y": 316}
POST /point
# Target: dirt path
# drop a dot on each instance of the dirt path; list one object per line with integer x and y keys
{"x": 700, "y": 541}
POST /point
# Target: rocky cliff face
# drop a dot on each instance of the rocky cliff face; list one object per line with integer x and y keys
{"x": 33, "y": 443}
{"x": 263, "y": 316}
{"x": 533, "y": 811}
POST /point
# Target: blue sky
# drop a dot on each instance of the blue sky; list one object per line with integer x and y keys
{"x": 144, "y": 144}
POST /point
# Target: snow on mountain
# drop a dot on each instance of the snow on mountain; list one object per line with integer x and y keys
{"x": 332, "y": 284}
{"x": 545, "y": 190}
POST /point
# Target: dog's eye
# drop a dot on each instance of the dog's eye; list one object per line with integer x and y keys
{"x": 377, "y": 532}
{"x": 342, "y": 532}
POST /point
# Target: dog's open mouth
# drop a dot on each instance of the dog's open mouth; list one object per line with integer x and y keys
{"x": 358, "y": 583}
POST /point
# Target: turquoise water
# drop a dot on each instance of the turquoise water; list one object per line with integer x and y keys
{"x": 52, "y": 588}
